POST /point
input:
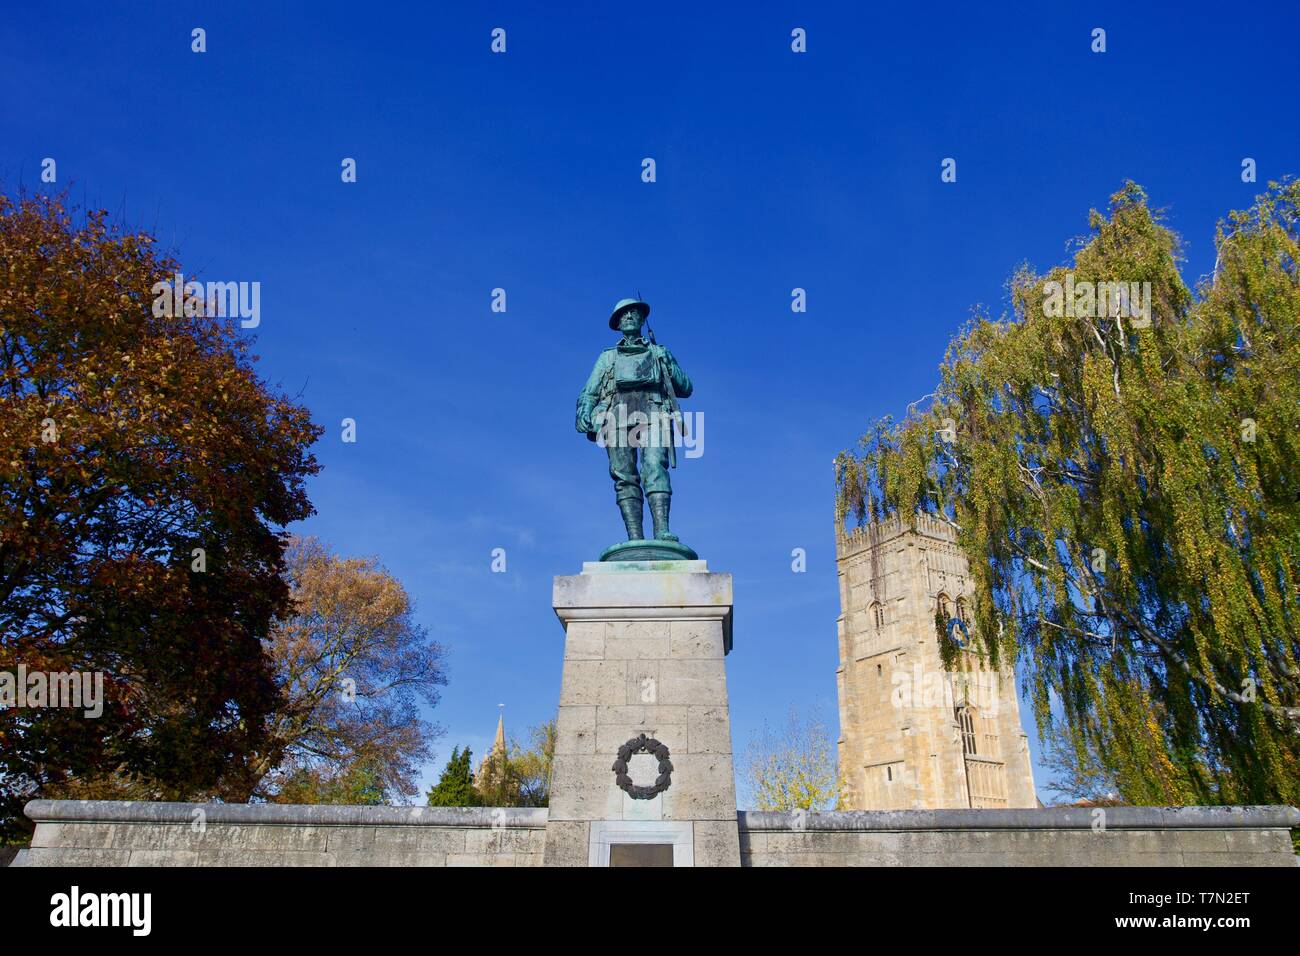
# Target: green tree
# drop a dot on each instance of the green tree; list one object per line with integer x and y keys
{"x": 519, "y": 776}
{"x": 146, "y": 473}
{"x": 496, "y": 780}
{"x": 358, "y": 783}
{"x": 1129, "y": 498}
{"x": 1076, "y": 772}
{"x": 455, "y": 788}
{"x": 532, "y": 766}
{"x": 793, "y": 767}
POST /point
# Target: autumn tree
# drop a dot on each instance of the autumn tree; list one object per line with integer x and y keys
{"x": 792, "y": 767}
{"x": 1076, "y": 772}
{"x": 1125, "y": 486}
{"x": 355, "y": 668}
{"x": 455, "y": 788}
{"x": 145, "y": 470}
{"x": 354, "y": 783}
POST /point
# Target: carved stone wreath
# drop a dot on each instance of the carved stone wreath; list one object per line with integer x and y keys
{"x": 636, "y": 745}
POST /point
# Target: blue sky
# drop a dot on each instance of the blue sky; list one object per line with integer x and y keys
{"x": 523, "y": 171}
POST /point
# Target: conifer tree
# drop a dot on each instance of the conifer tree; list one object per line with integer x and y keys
{"x": 455, "y": 788}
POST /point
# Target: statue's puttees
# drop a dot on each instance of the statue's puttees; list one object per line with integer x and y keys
{"x": 629, "y": 405}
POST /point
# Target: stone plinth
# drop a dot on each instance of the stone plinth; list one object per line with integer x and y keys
{"x": 643, "y": 654}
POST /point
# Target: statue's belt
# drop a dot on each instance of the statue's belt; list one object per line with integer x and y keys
{"x": 635, "y": 392}
{"x": 645, "y": 401}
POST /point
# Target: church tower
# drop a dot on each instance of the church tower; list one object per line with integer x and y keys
{"x": 492, "y": 769}
{"x": 913, "y": 735}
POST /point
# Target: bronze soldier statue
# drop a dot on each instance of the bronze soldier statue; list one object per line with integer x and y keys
{"x": 629, "y": 405}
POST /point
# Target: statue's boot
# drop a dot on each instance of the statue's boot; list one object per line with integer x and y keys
{"x": 659, "y": 514}
{"x": 632, "y": 517}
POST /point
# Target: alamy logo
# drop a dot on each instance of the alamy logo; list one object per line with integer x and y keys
{"x": 73, "y": 689}
{"x": 103, "y": 909}
{"x": 925, "y": 689}
{"x": 1093, "y": 300}
{"x": 619, "y": 428}
{"x": 243, "y": 300}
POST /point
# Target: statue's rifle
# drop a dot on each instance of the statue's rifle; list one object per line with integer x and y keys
{"x": 661, "y": 359}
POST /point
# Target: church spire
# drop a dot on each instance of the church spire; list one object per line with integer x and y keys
{"x": 499, "y": 744}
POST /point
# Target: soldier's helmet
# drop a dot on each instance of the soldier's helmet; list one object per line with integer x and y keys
{"x": 619, "y": 309}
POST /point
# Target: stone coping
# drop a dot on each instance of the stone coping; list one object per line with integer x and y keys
{"x": 643, "y": 589}
{"x": 1047, "y": 818}
{"x": 698, "y": 566}
{"x": 1044, "y": 818}
{"x": 283, "y": 814}
{"x": 647, "y": 594}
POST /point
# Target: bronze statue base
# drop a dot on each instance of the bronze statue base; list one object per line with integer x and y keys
{"x": 648, "y": 550}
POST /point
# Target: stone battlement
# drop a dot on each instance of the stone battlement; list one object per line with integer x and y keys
{"x": 875, "y": 533}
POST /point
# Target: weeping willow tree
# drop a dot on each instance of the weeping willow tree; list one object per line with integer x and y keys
{"x": 1126, "y": 487}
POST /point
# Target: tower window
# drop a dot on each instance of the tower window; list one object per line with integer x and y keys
{"x": 944, "y": 606}
{"x": 877, "y": 614}
{"x": 966, "y": 725}
{"x": 962, "y": 612}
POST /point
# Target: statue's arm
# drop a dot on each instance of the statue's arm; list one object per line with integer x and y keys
{"x": 681, "y": 381}
{"x": 590, "y": 394}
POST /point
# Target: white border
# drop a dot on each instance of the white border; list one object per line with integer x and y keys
{"x": 605, "y": 833}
